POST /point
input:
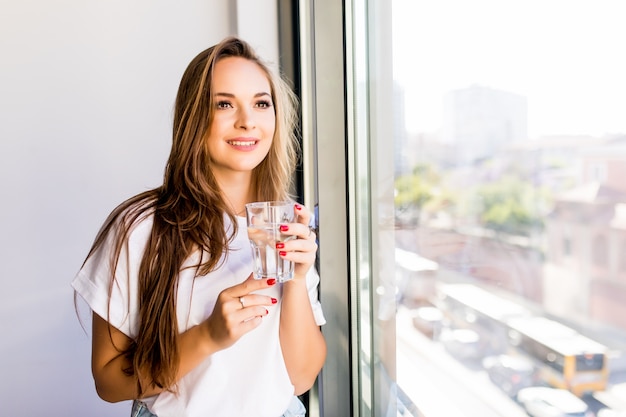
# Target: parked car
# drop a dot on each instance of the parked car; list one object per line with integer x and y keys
{"x": 609, "y": 412}
{"x": 461, "y": 343}
{"x": 428, "y": 319}
{"x": 510, "y": 373}
{"x": 552, "y": 402}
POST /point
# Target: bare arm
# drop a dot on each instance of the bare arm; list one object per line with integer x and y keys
{"x": 301, "y": 340}
{"x": 227, "y": 323}
{"x": 107, "y": 363}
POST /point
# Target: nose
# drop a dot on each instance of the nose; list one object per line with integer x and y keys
{"x": 245, "y": 119}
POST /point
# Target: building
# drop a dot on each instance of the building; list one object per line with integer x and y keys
{"x": 479, "y": 121}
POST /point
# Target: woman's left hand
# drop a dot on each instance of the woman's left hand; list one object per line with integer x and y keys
{"x": 302, "y": 250}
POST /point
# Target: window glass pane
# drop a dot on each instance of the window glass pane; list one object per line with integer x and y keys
{"x": 503, "y": 261}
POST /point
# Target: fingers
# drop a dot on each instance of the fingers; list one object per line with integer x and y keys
{"x": 248, "y": 286}
{"x": 300, "y": 228}
{"x": 311, "y": 234}
{"x": 304, "y": 216}
{"x": 238, "y": 310}
{"x": 242, "y": 297}
{"x": 250, "y": 324}
{"x": 302, "y": 250}
{"x": 226, "y": 325}
{"x": 252, "y": 300}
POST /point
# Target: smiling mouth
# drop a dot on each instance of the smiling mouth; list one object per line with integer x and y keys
{"x": 242, "y": 142}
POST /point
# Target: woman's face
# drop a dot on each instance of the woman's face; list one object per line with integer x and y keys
{"x": 242, "y": 129}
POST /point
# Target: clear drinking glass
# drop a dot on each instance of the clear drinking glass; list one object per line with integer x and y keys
{"x": 264, "y": 220}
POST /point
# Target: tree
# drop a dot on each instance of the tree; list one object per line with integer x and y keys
{"x": 511, "y": 205}
{"x": 414, "y": 190}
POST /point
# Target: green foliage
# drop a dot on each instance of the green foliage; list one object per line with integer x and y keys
{"x": 412, "y": 190}
{"x": 511, "y": 205}
{"x": 419, "y": 187}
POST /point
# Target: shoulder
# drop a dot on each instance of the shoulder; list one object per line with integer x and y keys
{"x": 133, "y": 215}
{"x": 132, "y": 220}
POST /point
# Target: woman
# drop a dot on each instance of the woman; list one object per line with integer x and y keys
{"x": 179, "y": 324}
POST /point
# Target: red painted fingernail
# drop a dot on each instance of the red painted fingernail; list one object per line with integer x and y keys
{"x": 280, "y": 245}
{"x": 267, "y": 312}
{"x": 271, "y": 281}
{"x": 298, "y": 207}
{"x": 284, "y": 227}
{"x": 274, "y": 301}
{"x": 282, "y": 253}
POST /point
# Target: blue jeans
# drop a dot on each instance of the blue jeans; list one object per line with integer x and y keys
{"x": 296, "y": 409}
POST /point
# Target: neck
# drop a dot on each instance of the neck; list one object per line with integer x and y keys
{"x": 237, "y": 192}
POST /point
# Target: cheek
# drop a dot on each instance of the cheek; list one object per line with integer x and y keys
{"x": 216, "y": 131}
{"x": 219, "y": 125}
{"x": 269, "y": 124}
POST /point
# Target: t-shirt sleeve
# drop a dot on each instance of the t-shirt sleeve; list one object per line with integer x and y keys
{"x": 114, "y": 296}
{"x": 313, "y": 280}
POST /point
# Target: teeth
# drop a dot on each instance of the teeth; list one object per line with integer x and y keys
{"x": 239, "y": 143}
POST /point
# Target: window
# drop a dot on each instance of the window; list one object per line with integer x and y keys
{"x": 471, "y": 130}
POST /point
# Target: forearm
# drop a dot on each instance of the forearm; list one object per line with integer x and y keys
{"x": 113, "y": 384}
{"x": 302, "y": 342}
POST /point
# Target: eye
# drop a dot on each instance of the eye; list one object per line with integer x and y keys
{"x": 223, "y": 104}
{"x": 264, "y": 104}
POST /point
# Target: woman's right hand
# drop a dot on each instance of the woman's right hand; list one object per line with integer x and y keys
{"x": 237, "y": 311}
{"x": 228, "y": 322}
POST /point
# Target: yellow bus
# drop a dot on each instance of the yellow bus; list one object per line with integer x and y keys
{"x": 565, "y": 358}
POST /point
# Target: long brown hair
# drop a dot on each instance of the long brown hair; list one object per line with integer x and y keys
{"x": 188, "y": 209}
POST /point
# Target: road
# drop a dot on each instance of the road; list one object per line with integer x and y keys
{"x": 441, "y": 386}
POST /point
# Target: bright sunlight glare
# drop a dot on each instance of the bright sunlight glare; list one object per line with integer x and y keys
{"x": 565, "y": 56}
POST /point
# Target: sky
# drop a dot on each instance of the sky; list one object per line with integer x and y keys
{"x": 565, "y": 56}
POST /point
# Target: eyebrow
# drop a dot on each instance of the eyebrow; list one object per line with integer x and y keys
{"x": 261, "y": 94}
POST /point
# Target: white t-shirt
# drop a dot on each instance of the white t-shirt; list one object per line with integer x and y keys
{"x": 246, "y": 379}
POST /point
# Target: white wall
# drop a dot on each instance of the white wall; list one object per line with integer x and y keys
{"x": 86, "y": 96}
